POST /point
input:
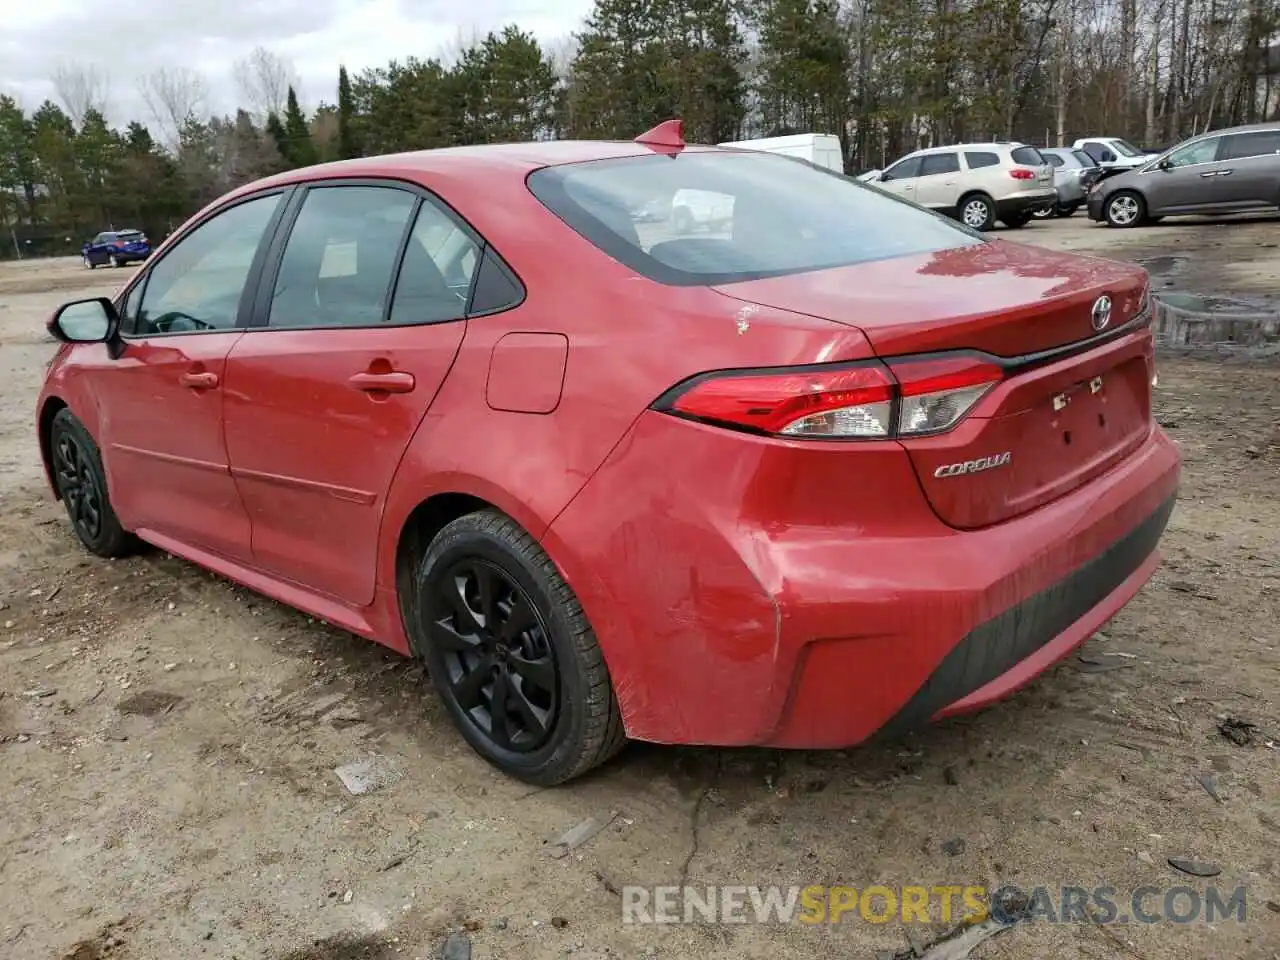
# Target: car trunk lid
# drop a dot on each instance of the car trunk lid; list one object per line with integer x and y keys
{"x": 1075, "y": 398}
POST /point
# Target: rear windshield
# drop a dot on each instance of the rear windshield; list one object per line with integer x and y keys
{"x": 129, "y": 235}
{"x": 1026, "y": 155}
{"x": 711, "y": 217}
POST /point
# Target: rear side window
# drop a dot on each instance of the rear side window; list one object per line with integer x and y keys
{"x": 1084, "y": 158}
{"x": 440, "y": 261}
{"x": 1029, "y": 156}
{"x": 338, "y": 262}
{"x": 1240, "y": 146}
{"x": 980, "y": 158}
{"x": 939, "y": 163}
{"x": 781, "y": 217}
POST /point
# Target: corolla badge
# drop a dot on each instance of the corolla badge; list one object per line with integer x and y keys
{"x": 1101, "y": 314}
{"x": 974, "y": 466}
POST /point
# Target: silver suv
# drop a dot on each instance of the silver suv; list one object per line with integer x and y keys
{"x": 977, "y": 183}
{"x": 1227, "y": 171}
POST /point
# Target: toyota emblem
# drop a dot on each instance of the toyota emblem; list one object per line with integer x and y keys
{"x": 1101, "y": 313}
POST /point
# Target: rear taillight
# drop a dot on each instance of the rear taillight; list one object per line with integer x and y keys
{"x": 852, "y": 401}
{"x": 938, "y": 392}
{"x": 1019, "y": 173}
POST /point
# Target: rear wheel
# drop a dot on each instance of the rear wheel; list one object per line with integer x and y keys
{"x": 511, "y": 653}
{"x": 1016, "y": 220}
{"x": 1046, "y": 213}
{"x": 978, "y": 211}
{"x": 82, "y": 486}
{"x": 88, "y": 264}
{"x": 1068, "y": 209}
{"x": 1125, "y": 209}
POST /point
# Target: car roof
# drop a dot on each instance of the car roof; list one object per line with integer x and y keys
{"x": 991, "y": 145}
{"x": 509, "y": 158}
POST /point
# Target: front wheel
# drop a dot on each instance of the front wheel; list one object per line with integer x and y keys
{"x": 116, "y": 261}
{"x": 88, "y": 264}
{"x": 82, "y": 487}
{"x": 1125, "y": 209}
{"x": 1047, "y": 213}
{"x": 1068, "y": 209}
{"x": 511, "y": 653}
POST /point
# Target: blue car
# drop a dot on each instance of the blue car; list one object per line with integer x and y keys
{"x": 116, "y": 247}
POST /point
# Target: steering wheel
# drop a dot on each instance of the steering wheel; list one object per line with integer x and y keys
{"x": 175, "y": 321}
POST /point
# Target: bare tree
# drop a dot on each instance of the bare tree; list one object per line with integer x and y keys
{"x": 174, "y": 95}
{"x": 263, "y": 79}
{"x": 81, "y": 88}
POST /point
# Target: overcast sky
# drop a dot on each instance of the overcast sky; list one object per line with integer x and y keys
{"x": 126, "y": 40}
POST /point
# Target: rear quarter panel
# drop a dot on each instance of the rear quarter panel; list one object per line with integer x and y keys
{"x": 629, "y": 340}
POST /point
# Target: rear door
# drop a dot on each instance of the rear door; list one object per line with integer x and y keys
{"x": 937, "y": 186}
{"x": 352, "y": 336}
{"x": 1248, "y": 172}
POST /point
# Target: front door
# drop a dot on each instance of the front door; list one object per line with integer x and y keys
{"x": 333, "y": 379}
{"x": 900, "y": 179}
{"x": 161, "y": 399}
{"x": 1187, "y": 181}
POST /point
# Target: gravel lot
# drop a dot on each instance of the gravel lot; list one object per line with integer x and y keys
{"x": 168, "y": 740}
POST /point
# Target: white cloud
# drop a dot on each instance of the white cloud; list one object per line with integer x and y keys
{"x": 126, "y": 41}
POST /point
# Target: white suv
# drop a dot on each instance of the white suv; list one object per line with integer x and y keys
{"x": 977, "y": 183}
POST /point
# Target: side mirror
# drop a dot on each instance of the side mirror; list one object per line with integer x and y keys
{"x": 86, "y": 321}
{"x": 1165, "y": 163}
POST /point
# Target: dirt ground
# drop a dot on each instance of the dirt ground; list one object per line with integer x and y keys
{"x": 168, "y": 740}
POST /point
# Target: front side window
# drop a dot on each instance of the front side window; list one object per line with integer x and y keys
{"x": 939, "y": 163}
{"x": 197, "y": 285}
{"x": 785, "y": 218}
{"x": 1202, "y": 151}
{"x": 340, "y": 258}
{"x": 1055, "y": 160}
{"x": 903, "y": 170}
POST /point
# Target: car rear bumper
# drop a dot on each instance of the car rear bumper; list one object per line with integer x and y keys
{"x": 1026, "y": 202}
{"x": 742, "y": 594}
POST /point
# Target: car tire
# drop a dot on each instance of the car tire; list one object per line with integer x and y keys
{"x": 1125, "y": 208}
{"x": 1016, "y": 221}
{"x": 82, "y": 486}
{"x": 977, "y": 211}
{"x": 115, "y": 261}
{"x": 1067, "y": 210}
{"x": 1046, "y": 213}
{"x": 88, "y": 264}
{"x": 560, "y": 716}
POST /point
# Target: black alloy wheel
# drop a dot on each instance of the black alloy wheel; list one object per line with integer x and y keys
{"x": 500, "y": 669}
{"x": 78, "y": 486}
{"x": 82, "y": 486}
{"x": 510, "y": 651}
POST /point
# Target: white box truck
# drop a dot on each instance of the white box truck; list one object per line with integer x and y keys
{"x": 822, "y": 149}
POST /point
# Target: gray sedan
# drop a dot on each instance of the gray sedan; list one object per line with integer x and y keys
{"x": 1074, "y": 172}
{"x": 1236, "y": 170}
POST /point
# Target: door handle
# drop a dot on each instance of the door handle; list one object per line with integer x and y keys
{"x": 1224, "y": 173}
{"x": 1211, "y": 173}
{"x": 393, "y": 382}
{"x": 198, "y": 381}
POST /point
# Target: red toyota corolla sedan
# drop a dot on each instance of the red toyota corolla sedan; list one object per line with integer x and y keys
{"x": 832, "y": 466}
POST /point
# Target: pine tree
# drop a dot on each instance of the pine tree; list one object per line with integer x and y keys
{"x": 275, "y": 129}
{"x": 301, "y": 151}
{"x": 347, "y": 146}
